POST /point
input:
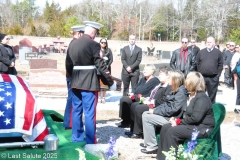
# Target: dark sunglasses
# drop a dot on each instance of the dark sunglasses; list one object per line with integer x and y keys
{"x": 7, "y": 38}
{"x": 184, "y": 42}
{"x": 231, "y": 45}
{"x": 103, "y": 42}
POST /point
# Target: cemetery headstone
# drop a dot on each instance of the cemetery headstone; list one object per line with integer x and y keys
{"x": 25, "y": 46}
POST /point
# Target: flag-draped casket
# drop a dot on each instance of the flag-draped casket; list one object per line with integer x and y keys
{"x": 18, "y": 110}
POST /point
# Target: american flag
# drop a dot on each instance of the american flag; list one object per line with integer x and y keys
{"x": 18, "y": 109}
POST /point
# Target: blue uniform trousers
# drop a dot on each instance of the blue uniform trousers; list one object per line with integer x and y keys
{"x": 84, "y": 102}
{"x": 67, "y": 120}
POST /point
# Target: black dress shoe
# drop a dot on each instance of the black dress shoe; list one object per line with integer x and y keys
{"x": 142, "y": 145}
{"x": 124, "y": 125}
{"x": 128, "y": 133}
{"x": 149, "y": 152}
{"x": 136, "y": 136}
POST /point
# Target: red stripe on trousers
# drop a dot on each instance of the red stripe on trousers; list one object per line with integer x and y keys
{"x": 70, "y": 122}
{"x": 95, "y": 108}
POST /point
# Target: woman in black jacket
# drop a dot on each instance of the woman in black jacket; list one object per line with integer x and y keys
{"x": 144, "y": 87}
{"x": 197, "y": 114}
{"x": 7, "y": 56}
{"x": 105, "y": 54}
{"x": 161, "y": 114}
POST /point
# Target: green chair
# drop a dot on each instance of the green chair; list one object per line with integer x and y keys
{"x": 210, "y": 148}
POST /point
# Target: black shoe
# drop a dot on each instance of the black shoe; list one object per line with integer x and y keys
{"x": 128, "y": 133}
{"x": 124, "y": 125}
{"x": 237, "y": 111}
{"x": 142, "y": 145}
{"x": 68, "y": 128}
{"x": 149, "y": 152}
{"x": 136, "y": 136}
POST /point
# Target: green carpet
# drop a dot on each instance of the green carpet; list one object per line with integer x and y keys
{"x": 66, "y": 149}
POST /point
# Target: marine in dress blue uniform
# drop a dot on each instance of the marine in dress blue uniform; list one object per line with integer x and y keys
{"x": 82, "y": 65}
{"x": 77, "y": 32}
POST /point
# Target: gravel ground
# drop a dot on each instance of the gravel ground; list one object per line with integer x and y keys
{"x": 129, "y": 149}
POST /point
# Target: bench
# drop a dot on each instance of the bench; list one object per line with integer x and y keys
{"x": 210, "y": 148}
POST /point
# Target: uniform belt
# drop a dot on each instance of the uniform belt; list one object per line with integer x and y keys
{"x": 84, "y": 67}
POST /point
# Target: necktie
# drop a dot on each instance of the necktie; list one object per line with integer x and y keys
{"x": 182, "y": 65}
{"x": 131, "y": 49}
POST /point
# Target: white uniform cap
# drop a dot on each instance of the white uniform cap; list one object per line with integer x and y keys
{"x": 92, "y": 24}
{"x": 232, "y": 43}
{"x": 78, "y": 28}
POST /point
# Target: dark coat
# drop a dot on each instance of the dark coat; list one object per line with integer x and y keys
{"x": 175, "y": 63}
{"x": 194, "y": 50}
{"x": 67, "y": 57}
{"x": 144, "y": 88}
{"x": 227, "y": 57}
{"x": 108, "y": 53}
{"x": 133, "y": 60}
{"x": 85, "y": 52}
{"x": 6, "y": 59}
{"x": 173, "y": 105}
{"x": 199, "y": 113}
{"x": 161, "y": 94}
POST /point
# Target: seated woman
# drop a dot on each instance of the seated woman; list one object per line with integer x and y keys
{"x": 158, "y": 95}
{"x": 198, "y": 114}
{"x": 161, "y": 114}
{"x": 144, "y": 87}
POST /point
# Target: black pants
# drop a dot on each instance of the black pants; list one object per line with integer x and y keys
{"x": 238, "y": 92}
{"x": 127, "y": 78}
{"x": 136, "y": 115}
{"x": 228, "y": 77}
{"x": 173, "y": 136}
{"x": 124, "y": 110}
{"x": 212, "y": 86}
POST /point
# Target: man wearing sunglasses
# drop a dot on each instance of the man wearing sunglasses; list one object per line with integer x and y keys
{"x": 183, "y": 59}
{"x": 227, "y": 58}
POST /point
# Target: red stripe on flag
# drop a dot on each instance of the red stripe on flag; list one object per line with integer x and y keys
{"x": 42, "y": 135}
{"x": 29, "y": 106}
{"x": 6, "y": 78}
{"x": 38, "y": 117}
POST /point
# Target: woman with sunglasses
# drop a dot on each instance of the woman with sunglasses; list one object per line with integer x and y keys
{"x": 7, "y": 56}
{"x": 105, "y": 54}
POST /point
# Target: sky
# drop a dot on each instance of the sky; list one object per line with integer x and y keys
{"x": 63, "y": 3}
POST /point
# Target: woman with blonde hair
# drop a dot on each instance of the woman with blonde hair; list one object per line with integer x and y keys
{"x": 198, "y": 113}
{"x": 161, "y": 114}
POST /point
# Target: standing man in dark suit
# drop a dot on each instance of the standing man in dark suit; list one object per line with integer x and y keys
{"x": 210, "y": 64}
{"x": 131, "y": 58}
{"x": 81, "y": 64}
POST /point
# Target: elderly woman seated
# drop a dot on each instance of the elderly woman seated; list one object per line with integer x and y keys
{"x": 197, "y": 114}
{"x": 144, "y": 87}
{"x": 157, "y": 97}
